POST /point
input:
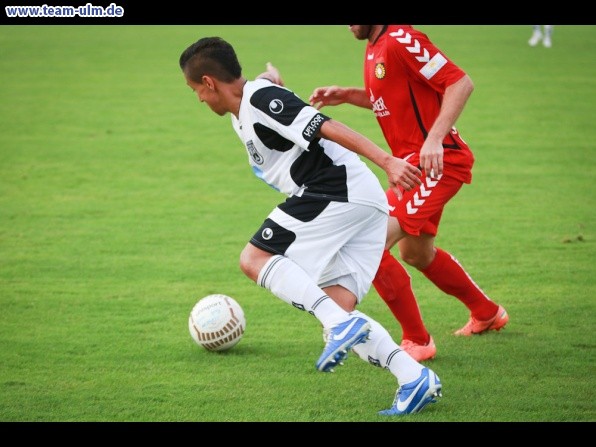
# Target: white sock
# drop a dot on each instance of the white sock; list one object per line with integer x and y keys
{"x": 548, "y": 30}
{"x": 381, "y": 350}
{"x": 289, "y": 282}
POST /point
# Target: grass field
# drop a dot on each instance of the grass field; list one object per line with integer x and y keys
{"x": 123, "y": 200}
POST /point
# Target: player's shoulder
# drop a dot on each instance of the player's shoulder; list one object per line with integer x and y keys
{"x": 262, "y": 87}
{"x": 269, "y": 97}
{"x": 406, "y": 36}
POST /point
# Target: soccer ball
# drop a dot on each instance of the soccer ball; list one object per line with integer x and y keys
{"x": 216, "y": 322}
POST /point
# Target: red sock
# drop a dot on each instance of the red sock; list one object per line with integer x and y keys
{"x": 393, "y": 284}
{"x": 449, "y": 276}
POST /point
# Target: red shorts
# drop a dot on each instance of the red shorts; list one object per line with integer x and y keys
{"x": 420, "y": 209}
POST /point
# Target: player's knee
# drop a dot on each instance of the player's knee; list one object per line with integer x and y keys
{"x": 247, "y": 264}
{"x": 252, "y": 260}
{"x": 415, "y": 259}
{"x": 394, "y": 233}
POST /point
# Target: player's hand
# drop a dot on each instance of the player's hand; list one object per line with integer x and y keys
{"x": 402, "y": 174}
{"x": 272, "y": 74}
{"x": 327, "y": 96}
{"x": 431, "y": 159}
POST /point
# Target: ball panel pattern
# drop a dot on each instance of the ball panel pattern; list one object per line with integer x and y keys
{"x": 217, "y": 322}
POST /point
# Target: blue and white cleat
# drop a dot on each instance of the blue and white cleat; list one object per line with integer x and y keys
{"x": 340, "y": 340}
{"x": 414, "y": 396}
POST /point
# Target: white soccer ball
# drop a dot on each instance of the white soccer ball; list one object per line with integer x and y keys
{"x": 217, "y": 322}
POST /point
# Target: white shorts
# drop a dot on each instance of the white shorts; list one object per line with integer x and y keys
{"x": 334, "y": 242}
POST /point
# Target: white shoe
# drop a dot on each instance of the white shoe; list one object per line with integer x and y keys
{"x": 547, "y": 42}
{"x": 536, "y": 37}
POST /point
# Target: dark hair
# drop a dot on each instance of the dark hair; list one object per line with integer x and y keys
{"x": 211, "y": 56}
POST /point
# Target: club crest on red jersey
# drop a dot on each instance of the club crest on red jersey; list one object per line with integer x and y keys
{"x": 380, "y": 70}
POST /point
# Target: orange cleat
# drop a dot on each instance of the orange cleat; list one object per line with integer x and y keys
{"x": 418, "y": 352}
{"x": 476, "y": 327}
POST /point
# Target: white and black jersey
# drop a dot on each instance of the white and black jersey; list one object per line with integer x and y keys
{"x": 279, "y": 131}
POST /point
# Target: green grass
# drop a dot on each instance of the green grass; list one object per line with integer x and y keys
{"x": 123, "y": 200}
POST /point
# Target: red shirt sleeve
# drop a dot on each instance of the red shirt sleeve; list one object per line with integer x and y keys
{"x": 422, "y": 58}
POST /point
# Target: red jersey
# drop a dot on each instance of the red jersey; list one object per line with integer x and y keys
{"x": 406, "y": 76}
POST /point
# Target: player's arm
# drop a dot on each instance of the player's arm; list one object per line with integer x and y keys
{"x": 335, "y": 95}
{"x": 454, "y": 100}
{"x": 399, "y": 172}
{"x": 272, "y": 74}
{"x": 448, "y": 80}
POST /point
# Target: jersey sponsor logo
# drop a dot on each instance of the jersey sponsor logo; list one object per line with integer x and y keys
{"x": 378, "y": 106}
{"x": 380, "y": 70}
{"x": 370, "y": 56}
{"x": 276, "y": 106}
{"x": 254, "y": 153}
{"x": 312, "y": 127}
{"x": 267, "y": 233}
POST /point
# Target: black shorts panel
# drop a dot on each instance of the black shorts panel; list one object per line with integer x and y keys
{"x": 273, "y": 238}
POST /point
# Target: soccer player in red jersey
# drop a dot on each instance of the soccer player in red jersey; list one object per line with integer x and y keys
{"x": 417, "y": 93}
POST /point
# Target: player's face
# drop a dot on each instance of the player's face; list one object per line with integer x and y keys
{"x": 206, "y": 95}
{"x": 361, "y": 32}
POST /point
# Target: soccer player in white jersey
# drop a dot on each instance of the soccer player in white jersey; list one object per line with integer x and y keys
{"x": 319, "y": 250}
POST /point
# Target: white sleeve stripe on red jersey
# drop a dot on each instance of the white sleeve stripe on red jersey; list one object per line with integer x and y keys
{"x": 407, "y": 39}
{"x": 432, "y": 66}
